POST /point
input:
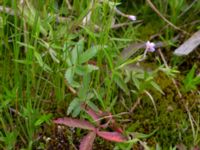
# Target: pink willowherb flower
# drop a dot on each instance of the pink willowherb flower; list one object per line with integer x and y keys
{"x": 131, "y": 17}
{"x": 150, "y": 46}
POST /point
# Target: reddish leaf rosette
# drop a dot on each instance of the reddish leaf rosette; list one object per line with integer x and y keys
{"x": 75, "y": 123}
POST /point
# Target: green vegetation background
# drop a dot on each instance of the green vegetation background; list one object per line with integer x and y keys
{"x": 49, "y": 59}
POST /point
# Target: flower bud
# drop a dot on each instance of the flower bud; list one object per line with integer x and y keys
{"x": 131, "y": 17}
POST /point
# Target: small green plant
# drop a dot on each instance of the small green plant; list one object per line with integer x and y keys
{"x": 191, "y": 81}
{"x": 8, "y": 139}
{"x": 78, "y": 68}
{"x": 77, "y": 62}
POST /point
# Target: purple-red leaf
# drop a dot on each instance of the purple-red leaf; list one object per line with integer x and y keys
{"x": 87, "y": 141}
{"x": 115, "y": 127}
{"x": 196, "y": 148}
{"x": 83, "y": 124}
{"x": 111, "y": 136}
{"x": 92, "y": 113}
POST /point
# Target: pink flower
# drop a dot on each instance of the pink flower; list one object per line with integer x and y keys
{"x": 131, "y": 17}
{"x": 150, "y": 46}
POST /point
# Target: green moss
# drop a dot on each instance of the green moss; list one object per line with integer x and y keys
{"x": 172, "y": 121}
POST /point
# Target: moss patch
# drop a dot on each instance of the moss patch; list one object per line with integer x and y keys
{"x": 172, "y": 121}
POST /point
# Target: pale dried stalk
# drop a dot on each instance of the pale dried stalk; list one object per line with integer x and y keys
{"x": 68, "y": 4}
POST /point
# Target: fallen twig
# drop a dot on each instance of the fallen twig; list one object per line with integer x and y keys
{"x": 71, "y": 89}
{"x": 115, "y": 26}
{"x": 135, "y": 105}
{"x": 68, "y": 4}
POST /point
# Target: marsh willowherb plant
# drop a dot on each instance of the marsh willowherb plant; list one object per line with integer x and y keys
{"x": 99, "y": 129}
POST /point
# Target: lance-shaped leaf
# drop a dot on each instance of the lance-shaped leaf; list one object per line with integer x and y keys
{"x": 115, "y": 127}
{"x": 87, "y": 141}
{"x": 111, "y": 136}
{"x": 75, "y": 123}
{"x": 91, "y": 113}
{"x": 121, "y": 83}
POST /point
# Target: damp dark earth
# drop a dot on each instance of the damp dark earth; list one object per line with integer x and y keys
{"x": 100, "y": 75}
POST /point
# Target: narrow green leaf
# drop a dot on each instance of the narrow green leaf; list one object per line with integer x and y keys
{"x": 99, "y": 97}
{"x": 39, "y": 58}
{"x": 90, "y": 33}
{"x": 157, "y": 87}
{"x": 53, "y": 55}
{"x": 130, "y": 61}
{"x": 120, "y": 82}
{"x": 69, "y": 74}
{"x": 26, "y": 45}
{"x": 190, "y": 82}
{"x": 30, "y": 16}
{"x": 25, "y": 62}
{"x": 136, "y": 83}
{"x": 84, "y": 88}
{"x": 51, "y": 51}
{"x": 74, "y": 56}
{"x": 93, "y": 106}
{"x": 190, "y": 75}
{"x": 42, "y": 119}
{"x": 80, "y": 46}
{"x": 144, "y": 136}
{"x": 196, "y": 80}
{"x": 86, "y": 81}
{"x": 40, "y": 61}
